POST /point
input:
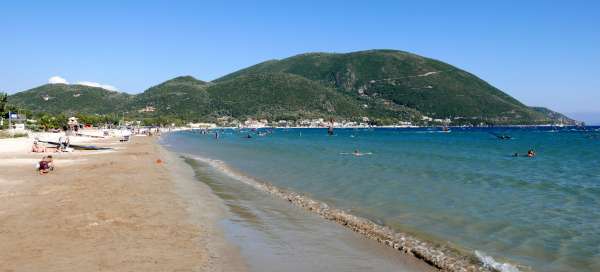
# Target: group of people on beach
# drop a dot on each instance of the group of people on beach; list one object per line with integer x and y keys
{"x": 46, "y": 165}
{"x": 62, "y": 146}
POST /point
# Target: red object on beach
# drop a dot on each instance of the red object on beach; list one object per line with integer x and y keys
{"x": 159, "y": 161}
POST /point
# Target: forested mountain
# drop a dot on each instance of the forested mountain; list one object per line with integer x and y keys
{"x": 385, "y": 85}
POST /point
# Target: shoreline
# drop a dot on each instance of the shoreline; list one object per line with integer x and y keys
{"x": 434, "y": 255}
{"x": 275, "y": 236}
{"x": 204, "y": 208}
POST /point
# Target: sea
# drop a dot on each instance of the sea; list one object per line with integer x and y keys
{"x": 472, "y": 189}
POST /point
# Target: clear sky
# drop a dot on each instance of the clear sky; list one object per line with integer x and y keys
{"x": 543, "y": 53}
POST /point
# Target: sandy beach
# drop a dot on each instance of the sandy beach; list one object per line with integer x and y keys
{"x": 118, "y": 210}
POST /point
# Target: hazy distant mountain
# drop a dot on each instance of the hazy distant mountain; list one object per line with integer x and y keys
{"x": 384, "y": 85}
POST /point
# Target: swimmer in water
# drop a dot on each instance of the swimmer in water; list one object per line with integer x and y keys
{"x": 358, "y": 153}
{"x": 530, "y": 153}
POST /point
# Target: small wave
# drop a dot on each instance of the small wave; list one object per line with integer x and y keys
{"x": 489, "y": 262}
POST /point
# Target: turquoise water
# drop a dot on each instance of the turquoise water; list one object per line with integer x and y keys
{"x": 463, "y": 188}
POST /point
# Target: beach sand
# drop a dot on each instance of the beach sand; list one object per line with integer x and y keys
{"x": 119, "y": 210}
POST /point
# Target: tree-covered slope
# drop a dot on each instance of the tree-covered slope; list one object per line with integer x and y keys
{"x": 182, "y": 96}
{"x": 267, "y": 95}
{"x": 63, "y": 98}
{"x": 279, "y": 96}
{"x": 432, "y": 87}
{"x": 384, "y": 85}
{"x": 559, "y": 117}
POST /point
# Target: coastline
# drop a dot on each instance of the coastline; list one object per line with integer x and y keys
{"x": 120, "y": 210}
{"x": 437, "y": 256}
{"x": 204, "y": 209}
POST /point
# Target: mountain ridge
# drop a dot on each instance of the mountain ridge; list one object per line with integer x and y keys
{"x": 382, "y": 84}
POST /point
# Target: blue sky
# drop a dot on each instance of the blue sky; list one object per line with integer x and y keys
{"x": 541, "y": 52}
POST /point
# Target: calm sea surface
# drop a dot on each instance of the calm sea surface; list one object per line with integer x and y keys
{"x": 462, "y": 188}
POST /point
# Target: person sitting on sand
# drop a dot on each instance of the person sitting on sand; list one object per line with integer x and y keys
{"x": 37, "y": 148}
{"x": 50, "y": 161}
{"x": 43, "y": 166}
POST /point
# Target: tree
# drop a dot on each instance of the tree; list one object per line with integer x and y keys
{"x": 3, "y": 103}
{"x": 46, "y": 122}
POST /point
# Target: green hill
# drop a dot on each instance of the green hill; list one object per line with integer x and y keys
{"x": 184, "y": 97}
{"x": 384, "y": 85}
{"x": 279, "y": 96}
{"x": 559, "y": 117}
{"x": 269, "y": 95}
{"x": 63, "y": 98}
{"x": 432, "y": 87}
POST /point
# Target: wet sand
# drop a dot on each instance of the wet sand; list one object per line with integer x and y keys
{"x": 109, "y": 211}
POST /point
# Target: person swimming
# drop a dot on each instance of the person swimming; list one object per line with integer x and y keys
{"x": 531, "y": 153}
{"x": 357, "y": 153}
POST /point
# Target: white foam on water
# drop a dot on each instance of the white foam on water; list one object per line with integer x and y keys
{"x": 489, "y": 262}
{"x": 225, "y": 169}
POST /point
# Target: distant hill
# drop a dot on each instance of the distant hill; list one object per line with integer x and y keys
{"x": 63, "y": 98}
{"x": 400, "y": 78}
{"x": 279, "y": 96}
{"x": 184, "y": 96}
{"x": 384, "y": 85}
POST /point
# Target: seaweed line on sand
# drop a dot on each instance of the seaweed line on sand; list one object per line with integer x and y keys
{"x": 440, "y": 257}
